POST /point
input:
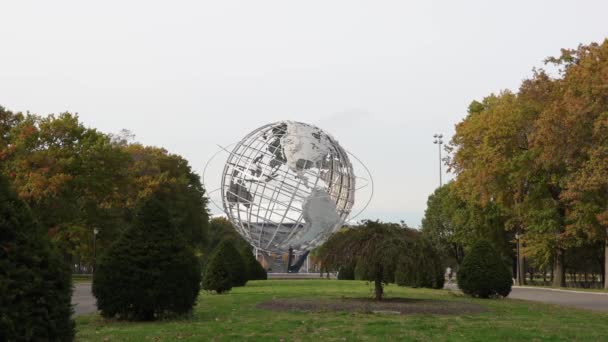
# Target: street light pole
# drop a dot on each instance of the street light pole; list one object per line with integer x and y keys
{"x": 439, "y": 141}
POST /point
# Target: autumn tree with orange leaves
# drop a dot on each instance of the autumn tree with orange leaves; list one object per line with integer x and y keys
{"x": 76, "y": 179}
{"x": 542, "y": 155}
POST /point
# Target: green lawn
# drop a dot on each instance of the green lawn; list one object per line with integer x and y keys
{"x": 235, "y": 317}
{"x": 81, "y": 278}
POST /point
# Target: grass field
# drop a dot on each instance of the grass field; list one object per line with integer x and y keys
{"x": 235, "y": 317}
{"x": 81, "y": 278}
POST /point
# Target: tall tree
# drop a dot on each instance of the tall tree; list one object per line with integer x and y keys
{"x": 453, "y": 224}
{"x": 68, "y": 174}
{"x": 77, "y": 179}
{"x": 492, "y": 156}
{"x": 573, "y": 133}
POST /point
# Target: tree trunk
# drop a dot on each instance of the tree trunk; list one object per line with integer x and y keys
{"x": 378, "y": 290}
{"x": 521, "y": 278}
{"x": 531, "y": 270}
{"x": 605, "y": 260}
{"x": 559, "y": 278}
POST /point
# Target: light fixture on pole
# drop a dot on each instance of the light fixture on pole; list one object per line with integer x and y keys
{"x": 439, "y": 141}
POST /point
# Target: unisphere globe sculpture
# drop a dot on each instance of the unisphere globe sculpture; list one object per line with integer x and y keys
{"x": 287, "y": 185}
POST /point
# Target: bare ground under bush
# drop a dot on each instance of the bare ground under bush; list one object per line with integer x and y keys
{"x": 402, "y": 306}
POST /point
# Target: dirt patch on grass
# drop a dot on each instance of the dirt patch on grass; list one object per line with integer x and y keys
{"x": 398, "y": 306}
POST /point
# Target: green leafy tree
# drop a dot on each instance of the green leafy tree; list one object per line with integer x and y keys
{"x": 422, "y": 266}
{"x": 35, "y": 283}
{"x": 496, "y": 161}
{"x": 76, "y": 179}
{"x": 152, "y": 168}
{"x": 374, "y": 247}
{"x": 68, "y": 174}
{"x": 221, "y": 229}
{"x": 151, "y": 271}
{"x": 346, "y": 272}
{"x": 573, "y": 134}
{"x": 540, "y": 154}
{"x": 483, "y": 273}
{"x": 452, "y": 224}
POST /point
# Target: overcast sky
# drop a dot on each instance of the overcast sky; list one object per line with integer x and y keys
{"x": 381, "y": 76}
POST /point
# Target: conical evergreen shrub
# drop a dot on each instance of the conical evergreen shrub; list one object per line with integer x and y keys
{"x": 483, "y": 273}
{"x": 225, "y": 263}
{"x": 254, "y": 269}
{"x": 258, "y": 272}
{"x": 151, "y": 271}
{"x": 35, "y": 282}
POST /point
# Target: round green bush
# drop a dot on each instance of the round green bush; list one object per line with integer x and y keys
{"x": 483, "y": 273}
{"x": 35, "y": 282}
{"x": 150, "y": 272}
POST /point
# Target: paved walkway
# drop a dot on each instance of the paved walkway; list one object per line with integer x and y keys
{"x": 83, "y": 300}
{"x": 576, "y": 299}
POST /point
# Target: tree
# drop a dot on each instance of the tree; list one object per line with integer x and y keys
{"x": 254, "y": 269}
{"x": 35, "y": 283}
{"x": 496, "y": 161}
{"x": 225, "y": 269}
{"x": 374, "y": 246}
{"x": 221, "y": 229}
{"x": 151, "y": 271}
{"x": 541, "y": 155}
{"x": 76, "y": 179}
{"x": 346, "y": 272}
{"x": 68, "y": 174}
{"x": 573, "y": 133}
{"x": 452, "y": 224}
{"x": 483, "y": 273}
{"x": 420, "y": 267}
{"x": 152, "y": 168}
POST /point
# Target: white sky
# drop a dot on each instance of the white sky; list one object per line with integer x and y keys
{"x": 381, "y": 76}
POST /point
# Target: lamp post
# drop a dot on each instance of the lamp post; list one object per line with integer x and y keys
{"x": 95, "y": 232}
{"x": 439, "y": 141}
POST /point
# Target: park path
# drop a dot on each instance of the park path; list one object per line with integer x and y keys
{"x": 576, "y": 299}
{"x": 83, "y": 300}
{"x": 595, "y": 301}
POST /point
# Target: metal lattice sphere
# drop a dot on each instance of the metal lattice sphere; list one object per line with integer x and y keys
{"x": 287, "y": 184}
